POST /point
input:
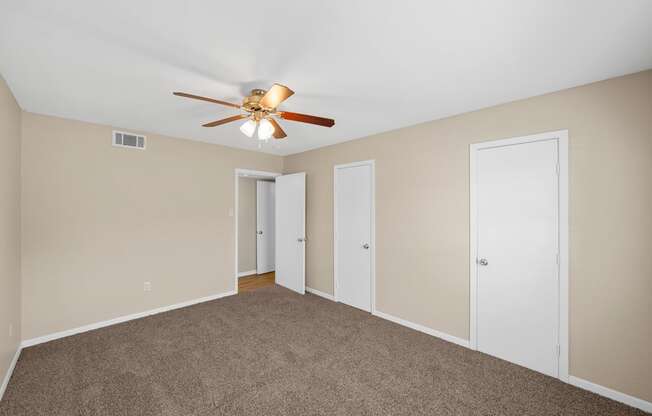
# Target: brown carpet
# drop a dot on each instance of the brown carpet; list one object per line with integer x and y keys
{"x": 273, "y": 352}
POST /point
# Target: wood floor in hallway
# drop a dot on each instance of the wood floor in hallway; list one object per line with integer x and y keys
{"x": 255, "y": 281}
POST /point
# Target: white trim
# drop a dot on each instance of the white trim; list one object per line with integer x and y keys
{"x": 372, "y": 164}
{"x": 239, "y": 172}
{"x": 97, "y": 325}
{"x": 611, "y": 394}
{"x": 320, "y": 293}
{"x": 473, "y": 252}
{"x": 10, "y": 371}
{"x": 564, "y": 175}
{"x": 562, "y": 140}
{"x": 247, "y": 273}
{"x": 258, "y": 174}
{"x": 424, "y": 329}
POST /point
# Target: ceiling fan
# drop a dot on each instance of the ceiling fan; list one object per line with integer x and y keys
{"x": 261, "y": 111}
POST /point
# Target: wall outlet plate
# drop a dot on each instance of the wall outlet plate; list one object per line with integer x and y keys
{"x": 147, "y": 286}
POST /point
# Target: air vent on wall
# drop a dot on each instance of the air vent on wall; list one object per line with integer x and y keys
{"x": 124, "y": 139}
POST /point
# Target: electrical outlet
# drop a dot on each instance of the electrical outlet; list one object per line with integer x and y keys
{"x": 147, "y": 286}
{"x": 230, "y": 212}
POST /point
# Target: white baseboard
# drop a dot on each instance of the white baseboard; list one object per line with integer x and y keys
{"x": 611, "y": 394}
{"x": 10, "y": 370}
{"x": 424, "y": 329}
{"x": 247, "y": 273}
{"x": 97, "y": 325}
{"x": 320, "y": 293}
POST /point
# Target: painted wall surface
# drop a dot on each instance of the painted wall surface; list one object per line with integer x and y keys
{"x": 246, "y": 224}
{"x": 10, "y": 115}
{"x": 98, "y": 221}
{"x": 422, "y": 219}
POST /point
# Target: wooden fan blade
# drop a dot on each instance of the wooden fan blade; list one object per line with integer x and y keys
{"x": 278, "y": 131}
{"x": 210, "y": 100}
{"x": 305, "y": 118}
{"x": 275, "y": 96}
{"x": 226, "y": 120}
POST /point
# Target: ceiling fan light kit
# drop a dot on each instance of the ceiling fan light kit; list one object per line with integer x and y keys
{"x": 248, "y": 128}
{"x": 261, "y": 108}
{"x": 265, "y": 129}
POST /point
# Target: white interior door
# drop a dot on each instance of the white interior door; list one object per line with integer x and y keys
{"x": 265, "y": 239}
{"x": 291, "y": 231}
{"x": 517, "y": 246}
{"x": 353, "y": 227}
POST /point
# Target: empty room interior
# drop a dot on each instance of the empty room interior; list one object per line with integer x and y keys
{"x": 325, "y": 208}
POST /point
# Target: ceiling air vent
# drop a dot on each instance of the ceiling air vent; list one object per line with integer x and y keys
{"x": 124, "y": 139}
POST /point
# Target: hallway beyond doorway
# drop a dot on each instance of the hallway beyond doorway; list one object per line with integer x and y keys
{"x": 249, "y": 283}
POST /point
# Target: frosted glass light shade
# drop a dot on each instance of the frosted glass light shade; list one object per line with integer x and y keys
{"x": 248, "y": 128}
{"x": 265, "y": 129}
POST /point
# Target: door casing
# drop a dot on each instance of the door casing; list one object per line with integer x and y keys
{"x": 562, "y": 141}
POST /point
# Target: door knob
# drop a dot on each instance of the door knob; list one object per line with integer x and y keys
{"x": 259, "y": 232}
{"x": 302, "y": 240}
{"x": 365, "y": 246}
{"x": 483, "y": 262}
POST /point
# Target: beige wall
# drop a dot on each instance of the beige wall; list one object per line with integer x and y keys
{"x": 422, "y": 219}
{"x": 9, "y": 227}
{"x": 100, "y": 220}
{"x": 246, "y": 224}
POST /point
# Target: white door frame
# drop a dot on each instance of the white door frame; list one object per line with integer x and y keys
{"x": 562, "y": 140}
{"x": 245, "y": 173}
{"x": 372, "y": 164}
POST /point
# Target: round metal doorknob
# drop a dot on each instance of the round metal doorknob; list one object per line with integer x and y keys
{"x": 483, "y": 262}
{"x": 302, "y": 240}
{"x": 365, "y": 246}
{"x": 259, "y": 232}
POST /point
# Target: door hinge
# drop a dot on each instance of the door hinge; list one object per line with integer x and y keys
{"x": 557, "y": 259}
{"x": 557, "y": 169}
{"x": 558, "y": 350}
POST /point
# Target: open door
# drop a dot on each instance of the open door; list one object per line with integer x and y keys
{"x": 291, "y": 231}
{"x": 265, "y": 239}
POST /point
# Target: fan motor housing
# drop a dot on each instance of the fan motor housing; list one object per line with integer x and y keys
{"x": 252, "y": 102}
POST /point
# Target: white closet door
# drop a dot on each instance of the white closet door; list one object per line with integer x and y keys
{"x": 517, "y": 246}
{"x": 353, "y": 212}
{"x": 265, "y": 238}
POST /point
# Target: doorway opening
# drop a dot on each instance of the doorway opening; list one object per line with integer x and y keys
{"x": 270, "y": 233}
{"x": 255, "y": 229}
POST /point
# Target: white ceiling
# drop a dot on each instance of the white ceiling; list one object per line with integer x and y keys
{"x": 371, "y": 65}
